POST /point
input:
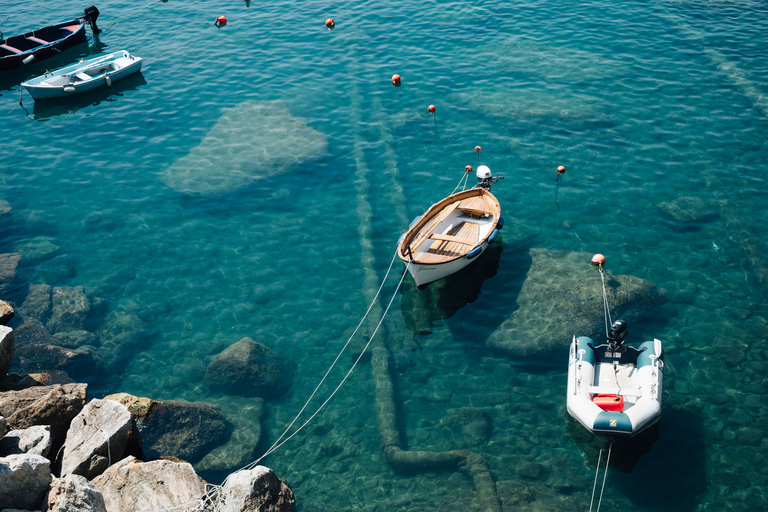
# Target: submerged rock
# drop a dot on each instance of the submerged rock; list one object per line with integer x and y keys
{"x": 251, "y": 140}
{"x": 8, "y": 265}
{"x": 250, "y": 368}
{"x": 37, "y": 305}
{"x": 470, "y": 426}
{"x": 130, "y": 485}
{"x": 70, "y": 307}
{"x": 562, "y": 297}
{"x": 36, "y": 248}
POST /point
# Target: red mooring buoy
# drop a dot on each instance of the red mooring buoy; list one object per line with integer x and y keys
{"x": 431, "y": 108}
{"x": 330, "y": 23}
{"x": 478, "y": 149}
{"x": 561, "y": 169}
{"x": 468, "y": 169}
{"x": 598, "y": 259}
{"x": 396, "y": 80}
{"x": 221, "y": 19}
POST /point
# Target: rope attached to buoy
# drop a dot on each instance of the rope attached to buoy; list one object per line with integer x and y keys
{"x": 599, "y": 260}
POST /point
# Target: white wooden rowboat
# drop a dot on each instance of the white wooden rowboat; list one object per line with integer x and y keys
{"x": 452, "y": 233}
{"x": 84, "y": 76}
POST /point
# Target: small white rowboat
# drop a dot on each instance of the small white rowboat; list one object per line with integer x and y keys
{"x": 83, "y": 76}
{"x": 452, "y": 233}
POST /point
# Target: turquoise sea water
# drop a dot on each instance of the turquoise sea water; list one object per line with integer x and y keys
{"x": 647, "y": 104}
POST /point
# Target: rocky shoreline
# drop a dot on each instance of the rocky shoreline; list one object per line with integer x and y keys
{"x": 60, "y": 451}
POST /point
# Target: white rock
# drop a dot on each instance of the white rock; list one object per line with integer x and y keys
{"x": 96, "y": 438}
{"x": 24, "y": 480}
{"x": 256, "y": 490}
{"x": 131, "y": 485}
{"x": 32, "y": 440}
{"x": 74, "y": 493}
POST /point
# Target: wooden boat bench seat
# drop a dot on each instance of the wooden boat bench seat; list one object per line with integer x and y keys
{"x": 461, "y": 240}
{"x": 83, "y": 76}
{"x": 10, "y": 48}
{"x": 38, "y": 40}
{"x": 474, "y": 206}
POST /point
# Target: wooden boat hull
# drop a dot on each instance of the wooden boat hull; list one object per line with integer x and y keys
{"x": 450, "y": 235}
{"x": 615, "y": 399}
{"x": 83, "y": 76}
{"x": 41, "y": 44}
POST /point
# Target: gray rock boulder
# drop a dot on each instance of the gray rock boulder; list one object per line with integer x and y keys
{"x": 562, "y": 296}
{"x": 54, "y": 405}
{"x": 74, "y": 493}
{"x": 8, "y": 264}
{"x": 24, "y": 481}
{"x": 258, "y": 489}
{"x": 36, "y": 357}
{"x": 250, "y": 368}
{"x": 6, "y": 312}
{"x": 37, "y": 305}
{"x": 3, "y": 426}
{"x": 161, "y": 484}
{"x": 96, "y": 438}
{"x": 176, "y": 428}
{"x": 7, "y": 339}
{"x": 70, "y": 307}
{"x": 33, "y": 440}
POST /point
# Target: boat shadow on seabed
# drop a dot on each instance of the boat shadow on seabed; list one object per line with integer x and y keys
{"x": 49, "y": 108}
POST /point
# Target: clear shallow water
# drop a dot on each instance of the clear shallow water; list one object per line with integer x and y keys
{"x": 644, "y": 103}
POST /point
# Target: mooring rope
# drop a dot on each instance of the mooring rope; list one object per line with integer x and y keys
{"x": 608, "y": 321}
{"x": 277, "y": 443}
{"x": 605, "y": 475}
{"x": 463, "y": 179}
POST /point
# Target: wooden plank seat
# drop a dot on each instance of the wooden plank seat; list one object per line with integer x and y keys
{"x": 10, "y": 48}
{"x": 426, "y": 231}
{"x": 474, "y": 206}
{"x": 38, "y": 40}
{"x": 456, "y": 242}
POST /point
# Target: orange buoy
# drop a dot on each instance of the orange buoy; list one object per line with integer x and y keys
{"x": 598, "y": 259}
{"x": 221, "y": 19}
{"x": 396, "y": 80}
{"x": 561, "y": 170}
{"x": 330, "y": 23}
{"x": 431, "y": 108}
{"x": 478, "y": 149}
{"x": 468, "y": 169}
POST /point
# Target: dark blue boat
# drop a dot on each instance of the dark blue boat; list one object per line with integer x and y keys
{"x": 18, "y": 51}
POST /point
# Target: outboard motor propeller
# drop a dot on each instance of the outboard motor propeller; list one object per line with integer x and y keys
{"x": 617, "y": 334}
{"x": 91, "y": 14}
{"x": 484, "y": 177}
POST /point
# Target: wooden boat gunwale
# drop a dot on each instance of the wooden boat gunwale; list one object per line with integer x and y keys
{"x": 36, "y": 43}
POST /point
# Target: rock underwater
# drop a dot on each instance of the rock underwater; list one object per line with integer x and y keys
{"x": 562, "y": 297}
{"x": 251, "y": 140}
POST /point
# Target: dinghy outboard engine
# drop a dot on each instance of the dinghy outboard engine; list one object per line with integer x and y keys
{"x": 91, "y": 14}
{"x": 616, "y": 335}
{"x": 484, "y": 177}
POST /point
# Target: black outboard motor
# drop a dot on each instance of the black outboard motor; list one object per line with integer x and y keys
{"x": 616, "y": 335}
{"x": 91, "y": 14}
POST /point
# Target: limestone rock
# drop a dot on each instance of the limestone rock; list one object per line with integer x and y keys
{"x": 7, "y": 339}
{"x": 562, "y": 297}
{"x": 38, "y": 302}
{"x": 96, "y": 438}
{"x": 250, "y": 368}
{"x": 159, "y": 484}
{"x": 33, "y": 331}
{"x": 257, "y": 489}
{"x": 41, "y": 356}
{"x": 251, "y": 140}
{"x": 32, "y": 440}
{"x": 54, "y": 405}
{"x": 3, "y": 427}
{"x": 74, "y": 493}
{"x": 24, "y": 480}
{"x": 6, "y": 312}
{"x": 70, "y": 306}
